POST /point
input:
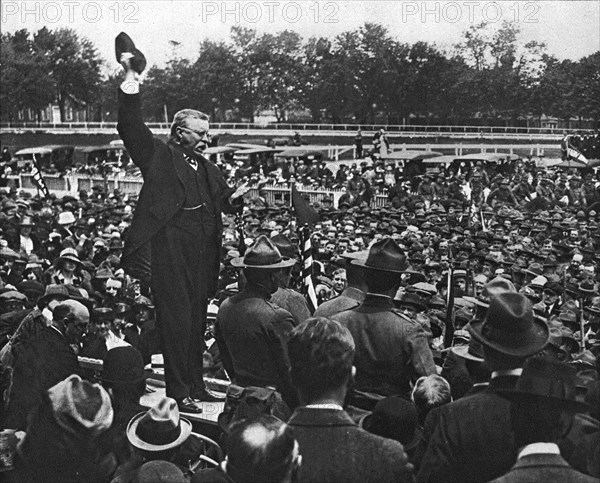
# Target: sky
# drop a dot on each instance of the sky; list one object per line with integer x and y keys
{"x": 571, "y": 29}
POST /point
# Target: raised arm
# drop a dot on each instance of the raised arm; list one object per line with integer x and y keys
{"x": 136, "y": 136}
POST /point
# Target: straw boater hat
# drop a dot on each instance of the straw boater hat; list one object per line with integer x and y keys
{"x": 384, "y": 256}
{"x": 510, "y": 327}
{"x": 160, "y": 428}
{"x": 264, "y": 255}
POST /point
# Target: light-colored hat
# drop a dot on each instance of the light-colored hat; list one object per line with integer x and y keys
{"x": 79, "y": 402}
{"x": 160, "y": 428}
{"x": 66, "y": 218}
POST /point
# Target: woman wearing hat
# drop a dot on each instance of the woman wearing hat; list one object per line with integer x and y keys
{"x": 24, "y": 242}
{"x": 68, "y": 270}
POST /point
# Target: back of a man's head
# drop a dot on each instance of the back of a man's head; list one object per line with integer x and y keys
{"x": 321, "y": 353}
{"x": 430, "y": 392}
{"x": 261, "y": 450}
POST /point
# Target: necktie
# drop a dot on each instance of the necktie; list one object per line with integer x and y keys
{"x": 192, "y": 162}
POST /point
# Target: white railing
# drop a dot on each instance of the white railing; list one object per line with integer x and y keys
{"x": 72, "y": 184}
{"x": 351, "y": 128}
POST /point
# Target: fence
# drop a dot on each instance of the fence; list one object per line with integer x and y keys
{"x": 72, "y": 184}
{"x": 307, "y": 127}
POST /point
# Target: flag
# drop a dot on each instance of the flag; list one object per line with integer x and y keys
{"x": 449, "y": 334}
{"x": 38, "y": 179}
{"x": 305, "y": 214}
{"x": 308, "y": 288}
{"x": 572, "y": 153}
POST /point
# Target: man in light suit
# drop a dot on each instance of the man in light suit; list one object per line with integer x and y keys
{"x": 333, "y": 447}
{"x": 542, "y": 407}
{"x": 175, "y": 234}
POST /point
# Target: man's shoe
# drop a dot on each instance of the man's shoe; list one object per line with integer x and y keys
{"x": 188, "y": 405}
{"x": 207, "y": 396}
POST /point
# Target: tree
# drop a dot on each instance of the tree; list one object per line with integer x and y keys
{"x": 73, "y": 65}
{"x": 24, "y": 83}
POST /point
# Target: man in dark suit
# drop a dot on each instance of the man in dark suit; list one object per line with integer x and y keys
{"x": 391, "y": 349}
{"x": 251, "y": 332}
{"x": 333, "y": 447}
{"x": 44, "y": 361}
{"x": 352, "y": 296}
{"x": 177, "y": 228}
{"x": 542, "y": 408}
{"x": 470, "y": 439}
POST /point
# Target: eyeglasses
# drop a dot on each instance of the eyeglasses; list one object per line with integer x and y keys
{"x": 202, "y": 134}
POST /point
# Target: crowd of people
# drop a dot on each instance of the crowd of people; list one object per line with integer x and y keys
{"x": 455, "y": 326}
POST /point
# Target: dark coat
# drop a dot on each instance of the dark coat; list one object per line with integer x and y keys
{"x": 581, "y": 446}
{"x": 43, "y": 362}
{"x": 349, "y": 299}
{"x": 543, "y": 468}
{"x": 252, "y": 334}
{"x": 293, "y": 302}
{"x": 391, "y": 349}
{"x": 334, "y": 448}
{"x": 162, "y": 196}
{"x": 470, "y": 439}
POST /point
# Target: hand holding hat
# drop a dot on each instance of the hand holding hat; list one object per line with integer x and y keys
{"x": 127, "y": 54}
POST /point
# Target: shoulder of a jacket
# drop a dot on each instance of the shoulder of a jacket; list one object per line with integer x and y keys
{"x": 398, "y": 313}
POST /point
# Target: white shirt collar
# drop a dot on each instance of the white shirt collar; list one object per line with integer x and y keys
{"x": 539, "y": 448}
{"x": 509, "y": 372}
{"x": 325, "y": 406}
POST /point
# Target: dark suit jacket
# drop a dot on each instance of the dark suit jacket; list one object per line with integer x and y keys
{"x": 334, "y": 448}
{"x": 470, "y": 439}
{"x": 391, "y": 349}
{"x": 543, "y": 468}
{"x": 349, "y": 299}
{"x": 43, "y": 362}
{"x": 252, "y": 333}
{"x": 162, "y": 196}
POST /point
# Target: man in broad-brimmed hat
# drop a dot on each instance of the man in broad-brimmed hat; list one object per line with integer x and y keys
{"x": 251, "y": 331}
{"x": 543, "y": 404}
{"x": 391, "y": 349}
{"x": 470, "y": 439}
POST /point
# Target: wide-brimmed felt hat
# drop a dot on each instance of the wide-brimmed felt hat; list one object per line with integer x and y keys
{"x": 410, "y": 299}
{"x": 263, "y": 255}
{"x": 384, "y": 256}
{"x": 58, "y": 291}
{"x": 494, "y": 287}
{"x": 77, "y": 403}
{"x": 285, "y": 246}
{"x": 473, "y": 351}
{"x": 549, "y": 380}
{"x": 393, "y": 418}
{"x": 510, "y": 327}
{"x": 123, "y": 365}
{"x": 160, "y": 428}
{"x": 124, "y": 44}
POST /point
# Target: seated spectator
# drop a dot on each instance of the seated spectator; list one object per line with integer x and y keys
{"x": 61, "y": 444}
{"x": 124, "y": 379}
{"x": 394, "y": 418}
{"x": 260, "y": 450}
{"x": 333, "y": 447}
{"x": 159, "y": 434}
{"x": 430, "y": 392}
